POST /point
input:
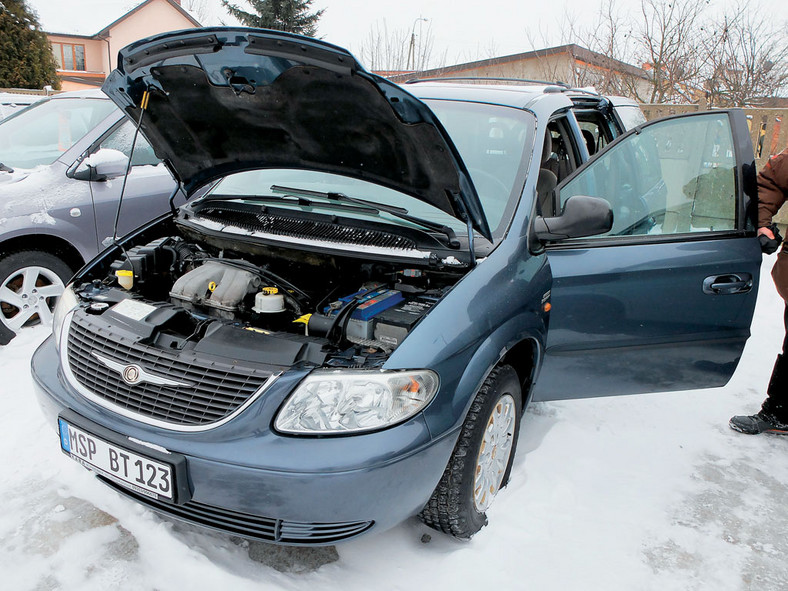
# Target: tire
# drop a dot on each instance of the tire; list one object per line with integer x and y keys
{"x": 458, "y": 505}
{"x": 30, "y": 283}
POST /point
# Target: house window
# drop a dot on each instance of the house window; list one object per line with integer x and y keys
{"x": 69, "y": 56}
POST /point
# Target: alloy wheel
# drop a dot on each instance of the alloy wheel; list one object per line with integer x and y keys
{"x": 28, "y": 295}
{"x": 494, "y": 452}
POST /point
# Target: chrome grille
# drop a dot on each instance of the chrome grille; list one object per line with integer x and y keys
{"x": 215, "y": 389}
{"x": 252, "y": 526}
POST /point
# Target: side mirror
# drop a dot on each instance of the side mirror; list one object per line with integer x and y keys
{"x": 103, "y": 165}
{"x": 582, "y": 216}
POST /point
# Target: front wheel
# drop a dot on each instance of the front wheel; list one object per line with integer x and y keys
{"x": 482, "y": 459}
{"x": 30, "y": 283}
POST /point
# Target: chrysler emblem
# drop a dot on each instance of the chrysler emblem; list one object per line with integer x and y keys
{"x": 131, "y": 374}
{"x": 134, "y": 374}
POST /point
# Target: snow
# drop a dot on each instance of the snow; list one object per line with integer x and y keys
{"x": 89, "y": 18}
{"x": 105, "y": 155}
{"x": 42, "y": 217}
{"x": 43, "y": 190}
{"x": 627, "y": 493}
{"x": 19, "y": 174}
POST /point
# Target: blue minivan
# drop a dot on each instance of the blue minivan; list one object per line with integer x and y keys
{"x": 344, "y": 331}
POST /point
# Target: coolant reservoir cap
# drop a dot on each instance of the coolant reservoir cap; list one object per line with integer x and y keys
{"x": 269, "y": 301}
{"x": 125, "y": 278}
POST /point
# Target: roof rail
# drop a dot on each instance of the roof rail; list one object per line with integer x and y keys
{"x": 488, "y": 79}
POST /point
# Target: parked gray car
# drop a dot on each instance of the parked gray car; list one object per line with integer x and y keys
{"x": 61, "y": 174}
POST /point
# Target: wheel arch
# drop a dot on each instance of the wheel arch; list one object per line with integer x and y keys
{"x": 45, "y": 242}
{"x": 520, "y": 349}
{"x": 523, "y": 357}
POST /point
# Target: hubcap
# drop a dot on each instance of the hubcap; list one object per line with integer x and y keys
{"x": 28, "y": 296}
{"x": 494, "y": 453}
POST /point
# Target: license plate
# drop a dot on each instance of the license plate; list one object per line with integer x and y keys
{"x": 134, "y": 471}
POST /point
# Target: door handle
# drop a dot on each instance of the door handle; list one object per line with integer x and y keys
{"x": 727, "y": 284}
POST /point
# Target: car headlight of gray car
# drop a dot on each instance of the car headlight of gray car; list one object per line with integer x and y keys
{"x": 65, "y": 303}
{"x": 342, "y": 401}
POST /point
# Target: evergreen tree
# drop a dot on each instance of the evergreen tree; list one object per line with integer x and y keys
{"x": 26, "y": 59}
{"x": 283, "y": 15}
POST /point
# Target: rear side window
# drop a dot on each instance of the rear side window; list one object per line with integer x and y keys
{"x": 675, "y": 177}
{"x": 631, "y": 116}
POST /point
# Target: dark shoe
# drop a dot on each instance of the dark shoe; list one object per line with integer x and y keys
{"x": 760, "y": 423}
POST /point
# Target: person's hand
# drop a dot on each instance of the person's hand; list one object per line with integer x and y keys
{"x": 770, "y": 239}
{"x": 766, "y": 231}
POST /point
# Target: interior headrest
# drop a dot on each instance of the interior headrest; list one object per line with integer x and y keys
{"x": 547, "y": 147}
{"x": 590, "y": 142}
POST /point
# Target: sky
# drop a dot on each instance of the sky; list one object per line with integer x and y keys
{"x": 463, "y": 30}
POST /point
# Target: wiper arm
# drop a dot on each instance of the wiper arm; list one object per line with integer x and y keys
{"x": 295, "y": 200}
{"x": 399, "y": 212}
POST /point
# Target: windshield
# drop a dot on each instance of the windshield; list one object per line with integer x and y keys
{"x": 41, "y": 133}
{"x": 259, "y": 183}
{"x": 493, "y": 142}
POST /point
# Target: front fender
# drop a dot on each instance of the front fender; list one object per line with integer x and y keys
{"x": 64, "y": 230}
{"x": 41, "y": 204}
{"x": 495, "y": 306}
{"x": 447, "y": 417}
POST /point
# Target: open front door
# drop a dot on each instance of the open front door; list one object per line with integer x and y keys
{"x": 665, "y": 299}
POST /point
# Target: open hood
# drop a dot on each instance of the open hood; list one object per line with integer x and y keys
{"x": 224, "y": 100}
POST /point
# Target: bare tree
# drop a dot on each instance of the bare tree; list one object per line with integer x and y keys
{"x": 604, "y": 66}
{"x": 199, "y": 8}
{"x": 399, "y": 49}
{"x": 609, "y": 36}
{"x": 669, "y": 40}
{"x": 384, "y": 49}
{"x": 750, "y": 59}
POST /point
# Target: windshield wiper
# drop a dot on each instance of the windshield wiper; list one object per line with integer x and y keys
{"x": 399, "y": 212}
{"x": 4, "y": 168}
{"x": 295, "y": 200}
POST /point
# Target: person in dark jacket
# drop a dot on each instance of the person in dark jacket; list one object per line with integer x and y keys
{"x": 772, "y": 193}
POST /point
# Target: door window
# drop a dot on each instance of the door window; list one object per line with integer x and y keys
{"x": 121, "y": 140}
{"x": 676, "y": 176}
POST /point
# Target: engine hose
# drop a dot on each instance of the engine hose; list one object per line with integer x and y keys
{"x": 336, "y": 334}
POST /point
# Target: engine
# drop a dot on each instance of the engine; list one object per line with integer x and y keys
{"x": 328, "y": 312}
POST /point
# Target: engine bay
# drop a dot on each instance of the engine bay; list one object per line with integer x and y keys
{"x": 273, "y": 307}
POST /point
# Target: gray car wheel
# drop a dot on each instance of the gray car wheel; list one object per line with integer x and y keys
{"x": 30, "y": 283}
{"x": 482, "y": 458}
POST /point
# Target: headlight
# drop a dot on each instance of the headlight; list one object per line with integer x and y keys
{"x": 344, "y": 401}
{"x": 65, "y": 303}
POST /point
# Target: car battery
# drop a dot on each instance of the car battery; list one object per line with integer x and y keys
{"x": 394, "y": 324}
{"x": 371, "y": 303}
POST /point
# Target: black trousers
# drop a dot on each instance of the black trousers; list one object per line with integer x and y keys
{"x": 776, "y": 403}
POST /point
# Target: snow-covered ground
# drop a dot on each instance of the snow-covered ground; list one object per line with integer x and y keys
{"x": 628, "y": 493}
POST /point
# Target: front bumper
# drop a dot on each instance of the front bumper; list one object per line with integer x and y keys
{"x": 247, "y": 480}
